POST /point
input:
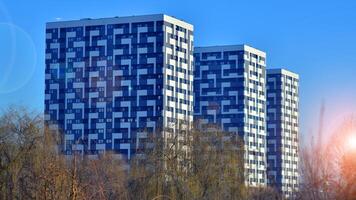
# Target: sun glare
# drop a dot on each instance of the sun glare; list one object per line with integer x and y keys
{"x": 351, "y": 142}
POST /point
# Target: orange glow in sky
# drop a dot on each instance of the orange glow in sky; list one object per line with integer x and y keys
{"x": 351, "y": 142}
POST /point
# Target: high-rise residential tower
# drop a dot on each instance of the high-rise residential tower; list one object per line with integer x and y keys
{"x": 229, "y": 89}
{"x": 111, "y": 81}
{"x": 283, "y": 130}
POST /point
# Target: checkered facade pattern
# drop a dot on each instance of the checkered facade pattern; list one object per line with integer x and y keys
{"x": 111, "y": 81}
{"x": 229, "y": 89}
{"x": 283, "y": 130}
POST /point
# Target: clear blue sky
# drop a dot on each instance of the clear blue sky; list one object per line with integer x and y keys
{"x": 316, "y": 39}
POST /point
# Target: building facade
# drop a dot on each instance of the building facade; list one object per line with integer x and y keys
{"x": 283, "y": 130}
{"x": 229, "y": 89}
{"x": 111, "y": 81}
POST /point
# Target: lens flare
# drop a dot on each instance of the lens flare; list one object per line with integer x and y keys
{"x": 18, "y": 58}
{"x": 351, "y": 142}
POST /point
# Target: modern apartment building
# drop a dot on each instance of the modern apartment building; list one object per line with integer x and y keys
{"x": 283, "y": 130}
{"x": 111, "y": 81}
{"x": 229, "y": 89}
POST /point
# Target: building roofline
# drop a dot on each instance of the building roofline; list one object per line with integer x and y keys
{"x": 103, "y": 18}
{"x": 116, "y": 19}
{"x": 229, "y": 47}
{"x": 282, "y": 71}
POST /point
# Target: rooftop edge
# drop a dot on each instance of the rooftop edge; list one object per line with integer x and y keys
{"x": 107, "y": 20}
{"x": 230, "y": 47}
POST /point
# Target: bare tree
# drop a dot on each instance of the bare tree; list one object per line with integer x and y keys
{"x": 206, "y": 165}
{"x": 19, "y": 134}
{"x": 343, "y": 160}
{"x": 31, "y": 166}
{"x": 49, "y": 169}
{"x": 217, "y": 169}
{"x": 315, "y": 169}
{"x": 263, "y": 193}
{"x": 148, "y": 170}
{"x": 104, "y": 177}
{"x": 328, "y": 167}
